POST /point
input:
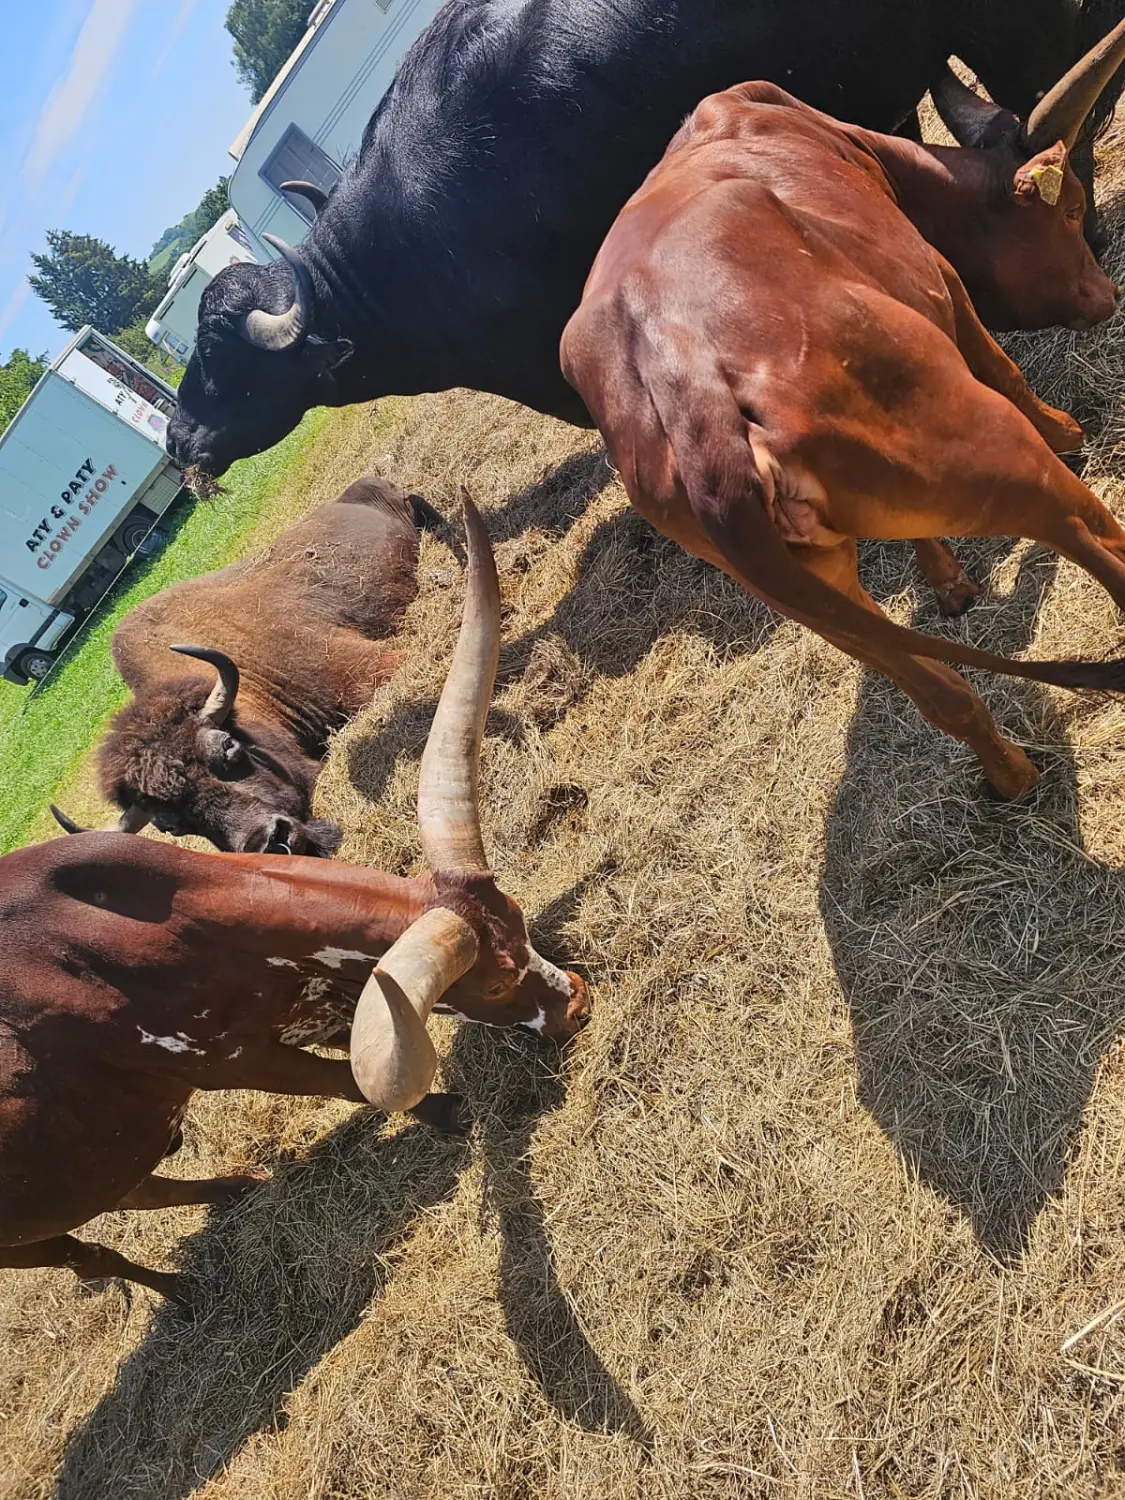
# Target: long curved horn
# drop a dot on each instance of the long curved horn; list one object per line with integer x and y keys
{"x": 217, "y": 709}
{"x": 277, "y": 332}
{"x": 1060, "y": 114}
{"x": 393, "y": 1060}
{"x": 448, "y": 815}
{"x": 132, "y": 820}
{"x": 970, "y": 120}
{"x": 315, "y": 195}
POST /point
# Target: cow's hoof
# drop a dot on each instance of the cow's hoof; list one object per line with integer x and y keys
{"x": 445, "y": 1113}
{"x": 1020, "y": 784}
{"x": 232, "y": 1189}
{"x": 955, "y": 598}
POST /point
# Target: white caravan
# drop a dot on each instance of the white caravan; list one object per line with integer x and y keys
{"x": 172, "y": 325}
{"x": 310, "y": 122}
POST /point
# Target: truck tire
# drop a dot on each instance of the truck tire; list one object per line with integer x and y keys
{"x": 130, "y": 536}
{"x": 153, "y": 542}
{"x": 35, "y": 664}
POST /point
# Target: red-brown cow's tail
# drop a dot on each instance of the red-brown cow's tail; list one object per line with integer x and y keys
{"x": 728, "y": 492}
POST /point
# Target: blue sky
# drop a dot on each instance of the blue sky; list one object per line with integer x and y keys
{"x": 115, "y": 118}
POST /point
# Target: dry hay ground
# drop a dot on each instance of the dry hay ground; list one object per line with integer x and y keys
{"x": 814, "y": 1205}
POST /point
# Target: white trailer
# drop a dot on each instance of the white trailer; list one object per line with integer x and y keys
{"x": 84, "y": 478}
{"x": 172, "y": 326}
{"x": 311, "y": 120}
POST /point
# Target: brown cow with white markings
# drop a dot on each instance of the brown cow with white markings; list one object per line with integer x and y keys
{"x": 133, "y": 972}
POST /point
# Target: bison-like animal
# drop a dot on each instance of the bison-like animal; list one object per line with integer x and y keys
{"x": 134, "y": 972}
{"x": 454, "y": 247}
{"x": 299, "y": 641}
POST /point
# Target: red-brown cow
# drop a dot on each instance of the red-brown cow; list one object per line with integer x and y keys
{"x": 133, "y": 972}
{"x": 778, "y": 347}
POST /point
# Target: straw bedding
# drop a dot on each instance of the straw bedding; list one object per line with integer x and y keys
{"x": 818, "y": 1203}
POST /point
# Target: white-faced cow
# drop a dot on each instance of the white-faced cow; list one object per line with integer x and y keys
{"x": 164, "y": 971}
{"x": 454, "y": 247}
{"x": 299, "y": 642}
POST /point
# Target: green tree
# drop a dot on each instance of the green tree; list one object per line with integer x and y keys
{"x": 212, "y": 205}
{"x": 265, "y": 32}
{"x": 84, "y": 280}
{"x": 17, "y": 376}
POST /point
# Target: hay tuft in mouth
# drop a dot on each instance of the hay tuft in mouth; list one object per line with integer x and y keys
{"x": 203, "y": 486}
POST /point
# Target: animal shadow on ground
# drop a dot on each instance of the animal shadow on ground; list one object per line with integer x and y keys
{"x": 540, "y": 1318}
{"x": 981, "y": 951}
{"x": 556, "y": 501}
{"x": 280, "y": 1279}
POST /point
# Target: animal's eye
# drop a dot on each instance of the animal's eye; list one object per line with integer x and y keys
{"x": 1074, "y": 216}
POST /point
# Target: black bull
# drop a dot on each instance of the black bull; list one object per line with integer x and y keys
{"x": 455, "y": 247}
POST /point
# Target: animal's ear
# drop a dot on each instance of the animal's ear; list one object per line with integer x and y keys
{"x": 329, "y": 355}
{"x": 1042, "y": 177}
{"x": 219, "y": 749}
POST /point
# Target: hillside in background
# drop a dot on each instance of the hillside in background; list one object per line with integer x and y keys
{"x": 178, "y": 238}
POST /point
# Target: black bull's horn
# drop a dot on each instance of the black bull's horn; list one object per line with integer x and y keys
{"x": 1061, "y": 113}
{"x": 276, "y": 332}
{"x": 315, "y": 195}
{"x": 216, "y": 710}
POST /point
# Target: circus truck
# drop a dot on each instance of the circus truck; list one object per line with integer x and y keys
{"x": 84, "y": 483}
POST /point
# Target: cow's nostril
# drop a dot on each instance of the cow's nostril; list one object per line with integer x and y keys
{"x": 279, "y": 841}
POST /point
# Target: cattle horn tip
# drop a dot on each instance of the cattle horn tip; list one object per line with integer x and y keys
{"x": 68, "y": 825}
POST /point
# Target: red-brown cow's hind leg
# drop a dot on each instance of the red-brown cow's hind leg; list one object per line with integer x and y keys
{"x": 952, "y": 586}
{"x": 941, "y": 695}
{"x": 89, "y": 1262}
{"x": 175, "y": 1192}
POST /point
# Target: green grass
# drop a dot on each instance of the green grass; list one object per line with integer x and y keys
{"x": 44, "y": 737}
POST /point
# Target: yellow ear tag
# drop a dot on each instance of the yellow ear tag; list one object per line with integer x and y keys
{"x": 1049, "y": 181}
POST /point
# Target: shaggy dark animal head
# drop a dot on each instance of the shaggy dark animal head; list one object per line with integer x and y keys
{"x": 257, "y": 367}
{"x": 242, "y": 786}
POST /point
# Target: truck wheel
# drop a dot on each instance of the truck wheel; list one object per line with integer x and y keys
{"x": 132, "y": 534}
{"x": 153, "y": 542}
{"x": 35, "y": 664}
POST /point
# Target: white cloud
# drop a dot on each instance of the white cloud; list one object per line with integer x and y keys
{"x": 69, "y": 102}
{"x": 179, "y": 21}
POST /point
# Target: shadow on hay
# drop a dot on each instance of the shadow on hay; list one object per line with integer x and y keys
{"x": 981, "y": 951}
{"x": 281, "y": 1279}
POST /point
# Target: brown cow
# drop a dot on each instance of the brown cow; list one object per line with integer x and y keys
{"x": 778, "y": 347}
{"x": 133, "y": 972}
{"x": 299, "y": 640}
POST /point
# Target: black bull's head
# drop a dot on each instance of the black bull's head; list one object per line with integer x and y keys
{"x": 179, "y": 758}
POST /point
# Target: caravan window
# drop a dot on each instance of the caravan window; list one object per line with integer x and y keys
{"x": 296, "y": 158}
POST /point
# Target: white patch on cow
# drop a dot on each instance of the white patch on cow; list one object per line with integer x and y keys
{"x": 282, "y": 963}
{"x": 334, "y": 957}
{"x": 322, "y": 1015}
{"x": 537, "y": 1023}
{"x": 548, "y": 973}
{"x": 236, "y": 1053}
{"x": 181, "y": 1042}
